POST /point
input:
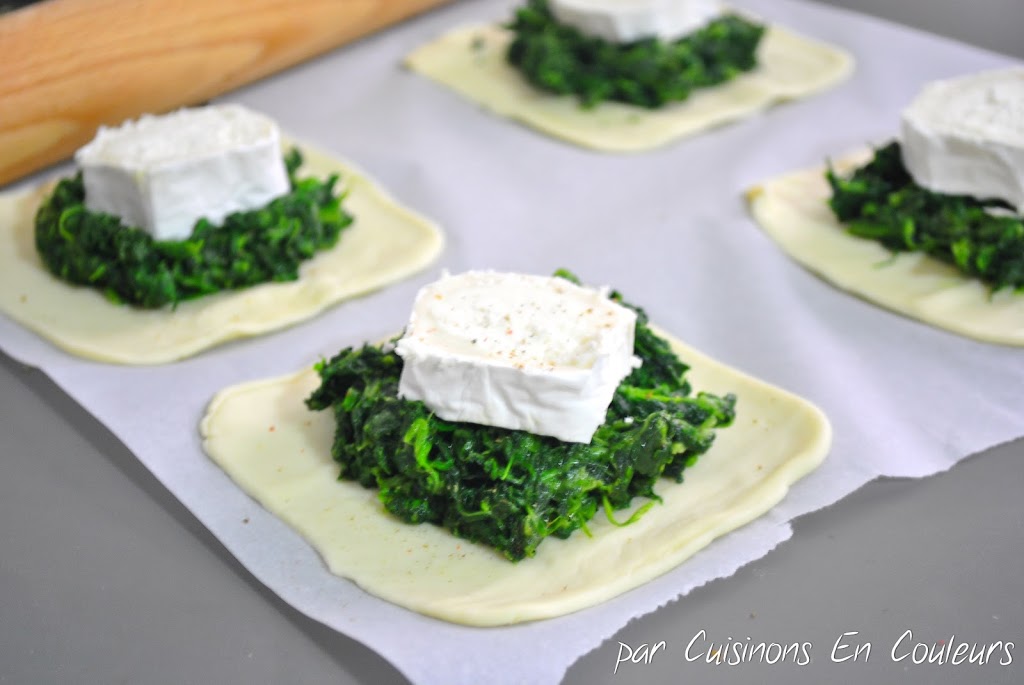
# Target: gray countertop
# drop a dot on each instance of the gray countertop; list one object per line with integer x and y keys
{"x": 992, "y": 24}
{"x": 106, "y": 578}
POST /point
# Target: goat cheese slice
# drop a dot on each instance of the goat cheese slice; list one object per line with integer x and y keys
{"x": 532, "y": 353}
{"x": 965, "y": 136}
{"x": 164, "y": 173}
{"x": 626, "y": 21}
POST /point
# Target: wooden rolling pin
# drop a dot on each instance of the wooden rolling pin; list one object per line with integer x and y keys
{"x": 67, "y": 66}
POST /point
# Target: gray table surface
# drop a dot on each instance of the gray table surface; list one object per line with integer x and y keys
{"x": 106, "y": 578}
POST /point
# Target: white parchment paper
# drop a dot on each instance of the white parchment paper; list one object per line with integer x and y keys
{"x": 668, "y": 228}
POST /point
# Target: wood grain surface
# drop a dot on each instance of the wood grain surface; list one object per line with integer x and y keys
{"x": 68, "y": 66}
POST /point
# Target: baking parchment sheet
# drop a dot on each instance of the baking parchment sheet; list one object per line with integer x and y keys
{"x": 667, "y": 228}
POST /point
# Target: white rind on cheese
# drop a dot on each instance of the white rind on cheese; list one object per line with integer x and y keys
{"x": 164, "y": 173}
{"x": 532, "y": 353}
{"x": 626, "y": 21}
{"x": 965, "y": 136}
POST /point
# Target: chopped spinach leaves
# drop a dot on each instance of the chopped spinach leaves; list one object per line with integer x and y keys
{"x": 511, "y": 489}
{"x": 982, "y": 237}
{"x": 649, "y": 73}
{"x": 129, "y": 266}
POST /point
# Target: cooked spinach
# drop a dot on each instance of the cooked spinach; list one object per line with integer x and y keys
{"x": 130, "y": 267}
{"x": 511, "y": 489}
{"x": 649, "y": 73}
{"x": 982, "y": 237}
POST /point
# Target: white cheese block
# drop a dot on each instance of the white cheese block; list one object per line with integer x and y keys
{"x": 965, "y": 136}
{"x": 164, "y": 173}
{"x": 626, "y": 21}
{"x": 530, "y": 353}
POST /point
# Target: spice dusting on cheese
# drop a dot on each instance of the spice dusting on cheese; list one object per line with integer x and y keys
{"x": 532, "y": 353}
{"x": 164, "y": 173}
{"x": 626, "y": 21}
{"x": 965, "y": 136}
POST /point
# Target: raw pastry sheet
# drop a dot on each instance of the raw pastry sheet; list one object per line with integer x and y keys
{"x": 669, "y": 228}
{"x": 471, "y": 60}
{"x": 793, "y": 209}
{"x": 386, "y": 243}
{"x": 278, "y": 451}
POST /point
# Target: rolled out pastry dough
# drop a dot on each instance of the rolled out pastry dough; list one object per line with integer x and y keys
{"x": 471, "y": 61}
{"x": 793, "y": 210}
{"x": 385, "y": 244}
{"x": 278, "y": 451}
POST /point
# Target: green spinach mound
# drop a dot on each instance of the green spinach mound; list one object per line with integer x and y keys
{"x": 511, "y": 489}
{"x": 130, "y": 267}
{"x": 880, "y": 201}
{"x": 649, "y": 73}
